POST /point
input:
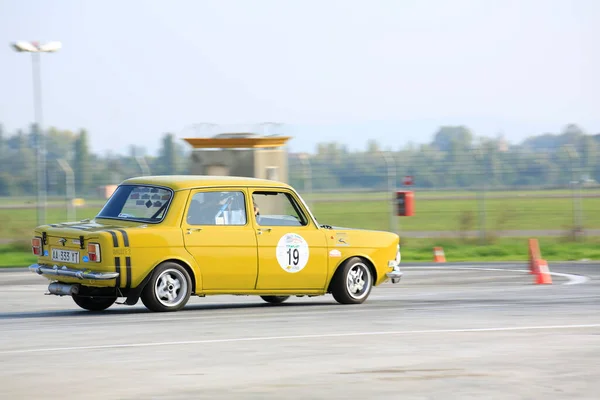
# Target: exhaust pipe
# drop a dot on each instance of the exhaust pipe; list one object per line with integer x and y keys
{"x": 63, "y": 289}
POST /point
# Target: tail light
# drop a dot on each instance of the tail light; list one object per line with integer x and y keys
{"x": 94, "y": 252}
{"x": 36, "y": 246}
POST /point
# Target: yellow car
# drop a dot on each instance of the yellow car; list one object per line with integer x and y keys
{"x": 165, "y": 238}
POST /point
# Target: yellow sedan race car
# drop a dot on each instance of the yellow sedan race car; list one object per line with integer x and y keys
{"x": 166, "y": 238}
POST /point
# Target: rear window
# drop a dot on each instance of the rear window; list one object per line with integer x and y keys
{"x": 138, "y": 203}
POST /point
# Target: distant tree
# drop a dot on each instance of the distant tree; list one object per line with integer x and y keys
{"x": 168, "y": 155}
{"x": 373, "y": 146}
{"x": 60, "y": 144}
{"x": 589, "y": 154}
{"x": 6, "y": 184}
{"x": 3, "y": 151}
{"x": 453, "y": 159}
{"x": 447, "y": 137}
{"x": 82, "y": 164}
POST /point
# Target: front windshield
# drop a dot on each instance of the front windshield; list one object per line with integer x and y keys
{"x": 138, "y": 203}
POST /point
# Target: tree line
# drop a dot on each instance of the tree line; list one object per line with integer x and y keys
{"x": 91, "y": 170}
{"x": 455, "y": 158}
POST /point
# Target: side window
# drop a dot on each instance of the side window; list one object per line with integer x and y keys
{"x": 217, "y": 208}
{"x": 277, "y": 209}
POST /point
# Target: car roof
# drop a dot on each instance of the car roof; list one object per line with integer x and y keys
{"x": 184, "y": 182}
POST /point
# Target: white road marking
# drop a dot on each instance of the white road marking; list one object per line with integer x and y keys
{"x": 572, "y": 278}
{"x": 317, "y": 336}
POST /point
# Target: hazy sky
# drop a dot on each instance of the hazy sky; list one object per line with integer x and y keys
{"x": 131, "y": 70}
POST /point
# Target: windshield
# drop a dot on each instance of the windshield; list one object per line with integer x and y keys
{"x": 139, "y": 203}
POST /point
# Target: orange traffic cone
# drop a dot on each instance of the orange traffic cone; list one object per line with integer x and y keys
{"x": 534, "y": 256}
{"x": 543, "y": 276}
{"x": 438, "y": 255}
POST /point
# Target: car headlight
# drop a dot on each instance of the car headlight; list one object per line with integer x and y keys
{"x": 398, "y": 256}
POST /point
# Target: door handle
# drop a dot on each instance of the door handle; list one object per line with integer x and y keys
{"x": 190, "y": 230}
{"x": 261, "y": 230}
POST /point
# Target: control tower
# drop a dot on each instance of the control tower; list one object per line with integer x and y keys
{"x": 240, "y": 154}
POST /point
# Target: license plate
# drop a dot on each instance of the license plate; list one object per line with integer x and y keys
{"x": 67, "y": 256}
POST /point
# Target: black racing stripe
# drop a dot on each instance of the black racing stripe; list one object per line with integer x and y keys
{"x": 128, "y": 266}
{"x": 125, "y": 237}
{"x": 118, "y": 269}
{"x": 115, "y": 240}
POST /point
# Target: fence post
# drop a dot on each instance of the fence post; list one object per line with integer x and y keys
{"x": 391, "y": 188}
{"x": 481, "y": 184}
{"x": 307, "y": 179}
{"x": 143, "y": 165}
{"x": 69, "y": 188}
{"x": 575, "y": 194}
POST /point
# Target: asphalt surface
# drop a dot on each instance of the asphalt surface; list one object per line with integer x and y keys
{"x": 455, "y": 331}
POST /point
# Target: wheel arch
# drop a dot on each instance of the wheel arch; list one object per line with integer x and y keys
{"x": 368, "y": 262}
{"x": 183, "y": 264}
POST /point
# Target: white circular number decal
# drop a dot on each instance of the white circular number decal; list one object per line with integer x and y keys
{"x": 292, "y": 252}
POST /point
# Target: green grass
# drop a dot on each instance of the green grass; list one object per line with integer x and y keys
{"x": 51, "y": 201}
{"x": 438, "y": 194}
{"x": 504, "y": 249}
{"x": 415, "y": 250}
{"x": 522, "y": 211}
{"x": 439, "y": 215}
{"x": 16, "y": 254}
{"x": 18, "y": 223}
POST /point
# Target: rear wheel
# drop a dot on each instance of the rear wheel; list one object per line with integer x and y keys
{"x": 94, "y": 303}
{"x": 275, "y": 299}
{"x": 352, "y": 282}
{"x": 169, "y": 288}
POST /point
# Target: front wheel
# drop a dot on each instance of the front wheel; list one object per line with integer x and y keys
{"x": 169, "y": 288}
{"x": 94, "y": 303}
{"x": 352, "y": 282}
{"x": 275, "y": 299}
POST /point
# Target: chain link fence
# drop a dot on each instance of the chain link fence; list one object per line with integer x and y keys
{"x": 475, "y": 195}
{"x": 468, "y": 197}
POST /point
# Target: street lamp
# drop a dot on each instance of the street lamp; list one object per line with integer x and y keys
{"x": 35, "y": 48}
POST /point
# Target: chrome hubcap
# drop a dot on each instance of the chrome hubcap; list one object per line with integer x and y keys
{"x": 171, "y": 287}
{"x": 358, "y": 280}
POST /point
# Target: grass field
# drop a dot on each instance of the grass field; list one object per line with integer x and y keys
{"x": 447, "y": 212}
{"x": 454, "y": 215}
{"x": 504, "y": 249}
{"x": 534, "y": 210}
{"x": 442, "y": 194}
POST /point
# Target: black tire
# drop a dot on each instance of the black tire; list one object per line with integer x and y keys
{"x": 275, "y": 299}
{"x": 94, "y": 303}
{"x": 356, "y": 291}
{"x": 168, "y": 279}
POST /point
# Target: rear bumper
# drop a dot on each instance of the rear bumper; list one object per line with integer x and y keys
{"x": 42, "y": 269}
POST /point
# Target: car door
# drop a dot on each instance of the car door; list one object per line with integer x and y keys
{"x": 220, "y": 236}
{"x": 292, "y": 250}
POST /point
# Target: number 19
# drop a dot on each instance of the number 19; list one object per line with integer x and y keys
{"x": 295, "y": 255}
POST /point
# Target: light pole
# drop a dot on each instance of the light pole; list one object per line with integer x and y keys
{"x": 35, "y": 48}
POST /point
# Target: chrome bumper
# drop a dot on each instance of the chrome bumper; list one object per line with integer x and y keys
{"x": 71, "y": 273}
{"x": 395, "y": 274}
